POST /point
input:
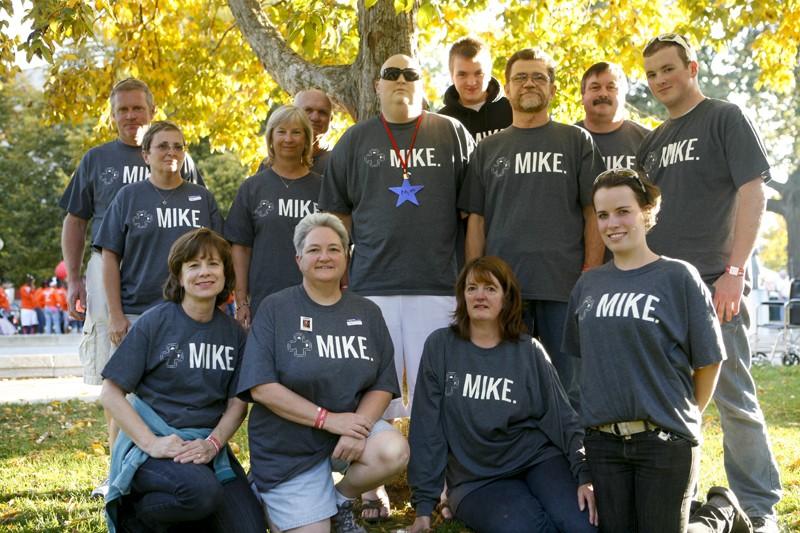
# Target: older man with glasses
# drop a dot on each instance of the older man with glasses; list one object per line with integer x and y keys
{"x": 393, "y": 180}
{"x": 711, "y": 165}
{"x": 528, "y": 193}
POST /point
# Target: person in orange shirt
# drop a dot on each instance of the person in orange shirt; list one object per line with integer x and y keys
{"x": 28, "y": 307}
{"x": 4, "y": 305}
{"x": 38, "y": 299}
{"x": 52, "y": 313}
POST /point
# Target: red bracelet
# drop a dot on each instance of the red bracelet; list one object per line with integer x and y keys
{"x": 322, "y": 413}
{"x": 213, "y": 440}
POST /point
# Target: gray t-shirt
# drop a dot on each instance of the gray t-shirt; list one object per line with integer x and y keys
{"x": 263, "y": 217}
{"x": 484, "y": 414}
{"x": 700, "y": 160}
{"x": 400, "y": 247}
{"x": 530, "y": 185}
{"x": 103, "y": 170}
{"x": 185, "y": 370}
{"x": 329, "y": 355}
{"x": 619, "y": 147}
{"x": 640, "y": 334}
{"x": 140, "y": 228}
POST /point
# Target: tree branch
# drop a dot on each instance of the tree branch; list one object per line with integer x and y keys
{"x": 776, "y": 206}
{"x": 287, "y": 68}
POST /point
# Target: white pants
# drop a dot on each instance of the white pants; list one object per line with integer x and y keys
{"x": 410, "y": 320}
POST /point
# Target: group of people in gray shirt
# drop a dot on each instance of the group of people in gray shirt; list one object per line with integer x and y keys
{"x": 505, "y": 180}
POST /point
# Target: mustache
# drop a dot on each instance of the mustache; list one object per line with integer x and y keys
{"x": 602, "y": 100}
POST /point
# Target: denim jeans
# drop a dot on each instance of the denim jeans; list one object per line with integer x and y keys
{"x": 643, "y": 483}
{"x": 749, "y": 463}
{"x": 52, "y": 320}
{"x": 545, "y": 320}
{"x": 542, "y": 499}
{"x": 165, "y": 494}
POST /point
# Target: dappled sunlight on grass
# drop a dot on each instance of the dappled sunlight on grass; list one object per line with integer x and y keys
{"x": 52, "y": 455}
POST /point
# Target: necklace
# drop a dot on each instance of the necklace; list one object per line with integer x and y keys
{"x": 406, "y": 192}
{"x": 168, "y": 196}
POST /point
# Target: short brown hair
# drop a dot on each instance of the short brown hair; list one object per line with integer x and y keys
{"x": 482, "y": 269}
{"x": 599, "y": 68}
{"x": 533, "y": 54}
{"x": 466, "y": 47}
{"x": 648, "y": 195}
{"x": 132, "y": 84}
{"x": 685, "y": 50}
{"x": 198, "y": 243}
{"x": 157, "y": 127}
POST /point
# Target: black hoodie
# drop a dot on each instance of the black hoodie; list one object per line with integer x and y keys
{"x": 494, "y": 115}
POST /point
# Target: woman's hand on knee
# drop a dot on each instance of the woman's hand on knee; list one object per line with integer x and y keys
{"x": 348, "y": 424}
{"x": 421, "y": 523}
{"x": 349, "y": 449}
{"x": 165, "y": 447}
{"x": 586, "y": 500}
{"x": 198, "y": 451}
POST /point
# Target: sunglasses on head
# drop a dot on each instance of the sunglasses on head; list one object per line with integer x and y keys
{"x": 393, "y": 73}
{"x": 675, "y": 38}
{"x": 624, "y": 173}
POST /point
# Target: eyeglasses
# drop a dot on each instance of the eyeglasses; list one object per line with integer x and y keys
{"x": 393, "y": 73}
{"x": 536, "y": 77}
{"x": 678, "y": 39}
{"x": 622, "y": 173}
{"x": 166, "y": 147}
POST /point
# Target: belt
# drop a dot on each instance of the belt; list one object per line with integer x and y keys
{"x": 626, "y": 429}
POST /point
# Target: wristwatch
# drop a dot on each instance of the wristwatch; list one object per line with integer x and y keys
{"x": 734, "y": 270}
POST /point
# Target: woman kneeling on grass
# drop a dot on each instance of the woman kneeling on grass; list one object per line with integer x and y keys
{"x": 650, "y": 345}
{"x": 319, "y": 366}
{"x": 170, "y": 464}
{"x": 490, "y": 417}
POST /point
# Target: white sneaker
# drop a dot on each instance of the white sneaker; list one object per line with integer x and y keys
{"x": 101, "y": 490}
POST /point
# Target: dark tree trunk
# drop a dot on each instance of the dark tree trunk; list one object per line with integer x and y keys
{"x": 382, "y": 33}
{"x": 789, "y": 207}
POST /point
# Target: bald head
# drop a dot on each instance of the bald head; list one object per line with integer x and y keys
{"x": 318, "y": 107}
{"x": 401, "y": 98}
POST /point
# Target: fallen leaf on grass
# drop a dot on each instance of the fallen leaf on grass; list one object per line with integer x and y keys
{"x": 234, "y": 447}
{"x": 98, "y": 448}
{"x": 8, "y": 516}
{"x": 42, "y": 437}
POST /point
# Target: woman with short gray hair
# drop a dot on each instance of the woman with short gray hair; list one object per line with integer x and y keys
{"x": 319, "y": 369}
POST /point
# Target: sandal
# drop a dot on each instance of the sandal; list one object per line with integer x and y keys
{"x": 443, "y": 508}
{"x": 377, "y": 504}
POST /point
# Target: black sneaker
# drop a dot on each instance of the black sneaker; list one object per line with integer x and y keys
{"x": 344, "y": 521}
{"x": 741, "y": 523}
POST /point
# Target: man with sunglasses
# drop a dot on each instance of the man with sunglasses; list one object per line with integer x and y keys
{"x": 711, "y": 166}
{"x": 528, "y": 193}
{"x": 393, "y": 180}
{"x": 102, "y": 172}
{"x": 475, "y": 98}
{"x": 603, "y": 90}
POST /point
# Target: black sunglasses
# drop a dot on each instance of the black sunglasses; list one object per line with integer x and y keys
{"x": 393, "y": 73}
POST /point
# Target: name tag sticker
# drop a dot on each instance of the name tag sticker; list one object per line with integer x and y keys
{"x": 354, "y": 322}
{"x": 305, "y": 323}
{"x": 195, "y": 198}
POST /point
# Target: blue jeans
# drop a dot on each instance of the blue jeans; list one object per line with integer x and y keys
{"x": 749, "y": 463}
{"x": 52, "y": 320}
{"x": 545, "y": 320}
{"x": 166, "y": 494}
{"x": 643, "y": 483}
{"x": 542, "y": 499}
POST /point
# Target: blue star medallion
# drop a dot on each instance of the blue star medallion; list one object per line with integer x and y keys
{"x": 406, "y": 193}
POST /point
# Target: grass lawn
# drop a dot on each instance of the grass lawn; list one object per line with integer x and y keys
{"x": 51, "y": 455}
